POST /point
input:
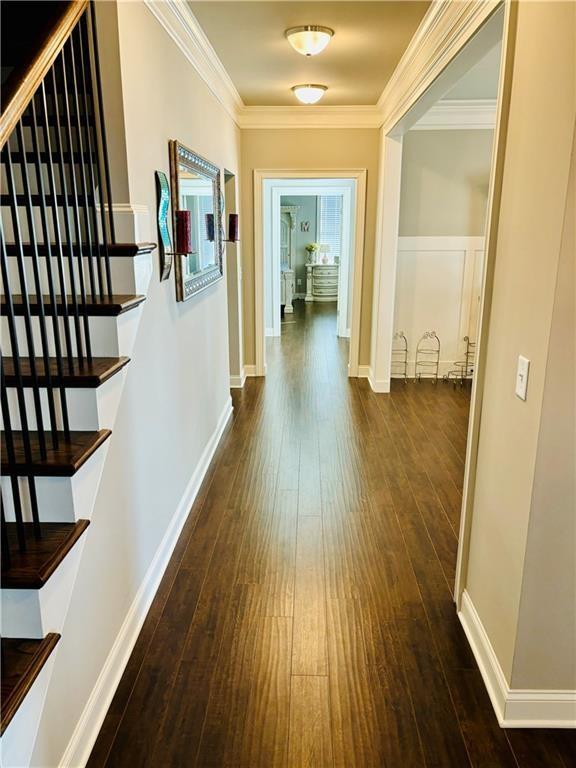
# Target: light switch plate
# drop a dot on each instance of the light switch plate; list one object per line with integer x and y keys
{"x": 522, "y": 377}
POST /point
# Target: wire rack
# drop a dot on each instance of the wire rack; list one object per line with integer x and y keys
{"x": 463, "y": 369}
{"x": 400, "y": 355}
{"x": 427, "y": 360}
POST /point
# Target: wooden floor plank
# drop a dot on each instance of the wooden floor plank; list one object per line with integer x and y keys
{"x": 310, "y": 741}
{"x": 306, "y": 618}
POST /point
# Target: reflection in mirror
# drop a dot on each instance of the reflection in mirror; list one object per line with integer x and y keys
{"x": 196, "y": 205}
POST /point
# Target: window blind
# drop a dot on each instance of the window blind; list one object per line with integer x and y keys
{"x": 330, "y": 226}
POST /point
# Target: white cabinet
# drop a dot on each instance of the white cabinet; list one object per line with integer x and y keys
{"x": 322, "y": 282}
{"x": 287, "y": 289}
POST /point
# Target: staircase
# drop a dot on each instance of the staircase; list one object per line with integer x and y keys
{"x": 71, "y": 302}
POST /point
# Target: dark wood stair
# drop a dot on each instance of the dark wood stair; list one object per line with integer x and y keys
{"x": 22, "y": 662}
{"x": 115, "y": 250}
{"x": 106, "y": 307}
{"x": 32, "y": 569}
{"x": 85, "y": 375}
{"x": 63, "y": 461}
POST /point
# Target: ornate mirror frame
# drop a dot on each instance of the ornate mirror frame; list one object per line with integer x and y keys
{"x": 189, "y": 285}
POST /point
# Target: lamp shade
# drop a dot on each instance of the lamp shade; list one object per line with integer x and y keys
{"x": 309, "y": 93}
{"x": 309, "y": 40}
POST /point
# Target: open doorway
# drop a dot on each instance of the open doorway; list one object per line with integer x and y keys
{"x": 444, "y": 283}
{"x": 309, "y": 249}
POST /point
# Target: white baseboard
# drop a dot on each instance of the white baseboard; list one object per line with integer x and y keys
{"x": 238, "y": 381}
{"x": 88, "y": 726}
{"x": 514, "y": 708}
{"x": 250, "y": 370}
{"x": 382, "y": 386}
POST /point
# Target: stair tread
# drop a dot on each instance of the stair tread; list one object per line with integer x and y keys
{"x": 114, "y": 249}
{"x": 63, "y": 461}
{"x": 33, "y": 568}
{"x": 22, "y": 662}
{"x": 90, "y": 374}
{"x": 108, "y": 306}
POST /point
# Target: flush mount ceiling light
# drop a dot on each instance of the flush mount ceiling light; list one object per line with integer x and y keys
{"x": 310, "y": 39}
{"x": 309, "y": 94}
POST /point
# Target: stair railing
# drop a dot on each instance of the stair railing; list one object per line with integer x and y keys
{"x": 56, "y": 229}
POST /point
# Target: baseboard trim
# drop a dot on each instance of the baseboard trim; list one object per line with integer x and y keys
{"x": 238, "y": 381}
{"x": 514, "y": 708}
{"x": 250, "y": 370}
{"x": 88, "y": 727}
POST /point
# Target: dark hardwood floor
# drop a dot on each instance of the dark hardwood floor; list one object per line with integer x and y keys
{"x": 306, "y": 618}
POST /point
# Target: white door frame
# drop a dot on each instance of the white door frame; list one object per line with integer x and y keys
{"x": 420, "y": 79}
{"x": 273, "y": 192}
{"x": 260, "y": 176}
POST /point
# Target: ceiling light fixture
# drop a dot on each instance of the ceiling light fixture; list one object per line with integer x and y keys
{"x": 309, "y": 40}
{"x": 310, "y": 93}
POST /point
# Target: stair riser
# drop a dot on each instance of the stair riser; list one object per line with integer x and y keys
{"x": 20, "y": 736}
{"x": 61, "y": 499}
{"x": 88, "y": 409}
{"x": 130, "y": 275}
{"x": 32, "y": 613}
{"x": 110, "y": 336}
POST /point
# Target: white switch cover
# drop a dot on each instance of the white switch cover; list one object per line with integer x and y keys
{"x": 522, "y": 377}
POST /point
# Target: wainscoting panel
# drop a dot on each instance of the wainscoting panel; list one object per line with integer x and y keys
{"x": 438, "y": 285}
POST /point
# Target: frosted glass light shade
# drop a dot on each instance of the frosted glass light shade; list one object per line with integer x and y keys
{"x": 309, "y": 94}
{"x": 309, "y": 40}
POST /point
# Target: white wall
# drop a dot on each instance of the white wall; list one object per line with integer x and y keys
{"x": 445, "y": 178}
{"x": 177, "y": 382}
{"x": 438, "y": 285}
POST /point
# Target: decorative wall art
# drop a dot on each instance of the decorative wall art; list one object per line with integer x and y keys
{"x": 165, "y": 246}
{"x": 304, "y": 226}
{"x": 197, "y": 221}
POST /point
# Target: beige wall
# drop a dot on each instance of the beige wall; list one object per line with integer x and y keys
{"x": 542, "y": 113}
{"x": 545, "y": 655}
{"x": 307, "y": 149}
{"x": 177, "y": 383}
{"x": 445, "y": 177}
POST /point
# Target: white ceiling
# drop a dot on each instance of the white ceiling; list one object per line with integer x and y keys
{"x": 369, "y": 40}
{"x": 481, "y": 81}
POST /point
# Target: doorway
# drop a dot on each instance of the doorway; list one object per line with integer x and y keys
{"x": 488, "y": 39}
{"x": 270, "y": 245}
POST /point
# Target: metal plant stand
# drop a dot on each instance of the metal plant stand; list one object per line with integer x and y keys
{"x": 463, "y": 369}
{"x": 400, "y": 355}
{"x": 427, "y": 360}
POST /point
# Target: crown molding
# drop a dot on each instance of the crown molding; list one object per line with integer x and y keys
{"x": 182, "y": 26}
{"x": 445, "y": 28}
{"x": 310, "y": 117}
{"x": 441, "y": 32}
{"x": 459, "y": 114}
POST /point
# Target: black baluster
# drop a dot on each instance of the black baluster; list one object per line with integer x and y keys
{"x": 14, "y": 484}
{"x": 75, "y": 205}
{"x": 67, "y": 228}
{"x": 36, "y": 158}
{"x": 100, "y": 171}
{"x": 92, "y": 160}
{"x": 15, "y": 347}
{"x": 35, "y": 258}
{"x": 71, "y": 57}
{"x": 102, "y": 123}
{"x": 56, "y": 224}
{"x": 25, "y": 297}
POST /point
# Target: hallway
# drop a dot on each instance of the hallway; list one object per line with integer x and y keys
{"x": 306, "y": 617}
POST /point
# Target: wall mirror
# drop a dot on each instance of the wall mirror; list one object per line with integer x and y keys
{"x": 197, "y": 221}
